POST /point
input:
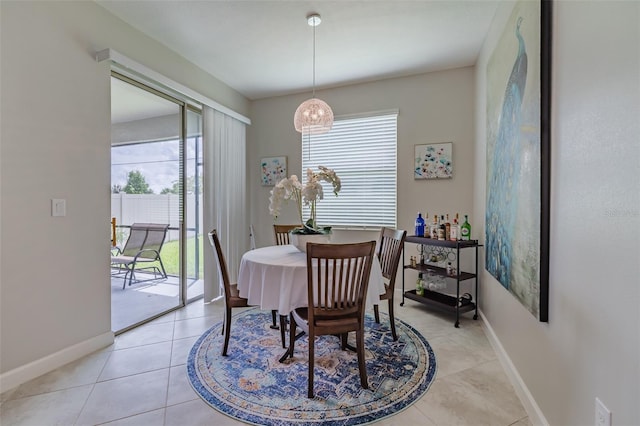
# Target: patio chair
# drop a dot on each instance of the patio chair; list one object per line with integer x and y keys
{"x": 389, "y": 250}
{"x": 141, "y": 252}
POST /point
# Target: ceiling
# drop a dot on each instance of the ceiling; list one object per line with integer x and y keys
{"x": 265, "y": 48}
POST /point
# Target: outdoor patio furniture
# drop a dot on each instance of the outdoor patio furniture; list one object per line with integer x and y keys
{"x": 141, "y": 252}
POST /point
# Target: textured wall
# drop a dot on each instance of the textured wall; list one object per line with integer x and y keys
{"x": 591, "y": 345}
{"x": 55, "y": 133}
{"x": 435, "y": 107}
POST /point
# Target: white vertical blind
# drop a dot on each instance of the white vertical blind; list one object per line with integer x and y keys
{"x": 363, "y": 152}
{"x": 224, "y": 153}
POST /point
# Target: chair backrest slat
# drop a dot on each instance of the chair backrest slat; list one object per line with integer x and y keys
{"x": 282, "y": 233}
{"x": 338, "y": 278}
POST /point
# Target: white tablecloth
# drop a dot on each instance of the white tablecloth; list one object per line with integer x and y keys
{"x": 275, "y": 277}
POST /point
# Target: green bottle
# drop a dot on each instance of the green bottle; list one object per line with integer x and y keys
{"x": 465, "y": 229}
{"x": 420, "y": 285}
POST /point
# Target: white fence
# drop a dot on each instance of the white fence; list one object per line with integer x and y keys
{"x": 155, "y": 208}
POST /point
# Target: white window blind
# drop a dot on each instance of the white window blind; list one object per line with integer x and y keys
{"x": 363, "y": 152}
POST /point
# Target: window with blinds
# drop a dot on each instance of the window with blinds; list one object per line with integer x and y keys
{"x": 363, "y": 152}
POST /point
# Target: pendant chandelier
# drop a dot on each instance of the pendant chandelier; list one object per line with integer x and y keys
{"x": 313, "y": 116}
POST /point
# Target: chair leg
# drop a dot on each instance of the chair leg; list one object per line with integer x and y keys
{"x": 227, "y": 331}
{"x": 343, "y": 340}
{"x": 376, "y": 314}
{"x": 133, "y": 268}
{"x": 292, "y": 338}
{"x": 392, "y": 320}
{"x": 361, "y": 363}
{"x": 312, "y": 346}
{"x": 274, "y": 326}
{"x": 128, "y": 274}
{"x": 283, "y": 326}
{"x": 164, "y": 272}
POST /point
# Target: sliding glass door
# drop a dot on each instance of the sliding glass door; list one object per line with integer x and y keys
{"x": 195, "y": 235}
{"x": 155, "y": 182}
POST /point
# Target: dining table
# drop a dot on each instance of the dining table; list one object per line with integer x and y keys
{"x": 275, "y": 278}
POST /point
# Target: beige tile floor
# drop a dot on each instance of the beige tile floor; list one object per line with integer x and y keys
{"x": 141, "y": 379}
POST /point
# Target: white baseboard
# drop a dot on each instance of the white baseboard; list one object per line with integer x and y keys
{"x": 24, "y": 373}
{"x": 531, "y": 407}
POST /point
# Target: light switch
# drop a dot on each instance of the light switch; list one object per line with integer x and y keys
{"x": 58, "y": 207}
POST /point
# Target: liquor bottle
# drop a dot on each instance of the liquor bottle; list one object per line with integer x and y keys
{"x": 419, "y": 225}
{"x": 465, "y": 229}
{"x": 420, "y": 285}
{"x": 455, "y": 229}
{"x": 442, "y": 229}
{"x": 433, "y": 230}
{"x": 447, "y": 224}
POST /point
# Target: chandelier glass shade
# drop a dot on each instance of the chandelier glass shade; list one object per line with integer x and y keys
{"x": 314, "y": 116}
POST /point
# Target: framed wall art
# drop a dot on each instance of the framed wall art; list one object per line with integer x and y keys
{"x": 273, "y": 170}
{"x": 433, "y": 161}
{"x": 518, "y": 156}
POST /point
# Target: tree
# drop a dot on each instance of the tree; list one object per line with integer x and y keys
{"x": 172, "y": 190}
{"x": 191, "y": 186}
{"x": 116, "y": 189}
{"x": 137, "y": 184}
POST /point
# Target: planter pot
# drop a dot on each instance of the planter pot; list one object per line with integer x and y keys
{"x": 300, "y": 240}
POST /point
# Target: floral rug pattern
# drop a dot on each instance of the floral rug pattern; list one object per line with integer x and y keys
{"x": 251, "y": 385}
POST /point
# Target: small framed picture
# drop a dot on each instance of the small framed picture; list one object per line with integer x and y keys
{"x": 433, "y": 161}
{"x": 273, "y": 170}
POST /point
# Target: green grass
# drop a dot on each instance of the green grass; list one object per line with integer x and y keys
{"x": 170, "y": 257}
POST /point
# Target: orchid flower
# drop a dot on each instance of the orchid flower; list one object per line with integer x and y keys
{"x": 312, "y": 191}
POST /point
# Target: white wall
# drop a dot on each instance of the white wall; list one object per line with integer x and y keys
{"x": 591, "y": 346}
{"x": 54, "y": 136}
{"x": 55, "y": 141}
{"x": 434, "y": 107}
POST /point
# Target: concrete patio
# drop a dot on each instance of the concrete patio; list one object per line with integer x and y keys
{"x": 146, "y": 299}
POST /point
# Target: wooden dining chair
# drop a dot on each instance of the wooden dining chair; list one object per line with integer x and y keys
{"x": 337, "y": 281}
{"x": 282, "y": 238}
{"x": 390, "y": 247}
{"x": 282, "y": 233}
{"x": 232, "y": 297}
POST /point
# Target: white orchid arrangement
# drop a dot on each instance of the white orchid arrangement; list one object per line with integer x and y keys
{"x": 308, "y": 194}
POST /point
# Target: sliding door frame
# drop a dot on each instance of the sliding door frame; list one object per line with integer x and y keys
{"x": 184, "y": 106}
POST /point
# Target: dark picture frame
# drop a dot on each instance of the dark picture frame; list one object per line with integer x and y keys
{"x": 517, "y": 219}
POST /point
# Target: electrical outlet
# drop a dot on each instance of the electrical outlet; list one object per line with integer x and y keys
{"x": 603, "y": 415}
{"x": 58, "y": 207}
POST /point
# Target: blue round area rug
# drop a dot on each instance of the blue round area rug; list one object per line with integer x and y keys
{"x": 251, "y": 385}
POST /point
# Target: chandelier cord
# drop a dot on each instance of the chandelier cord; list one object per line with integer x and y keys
{"x": 313, "y": 95}
{"x": 313, "y": 90}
